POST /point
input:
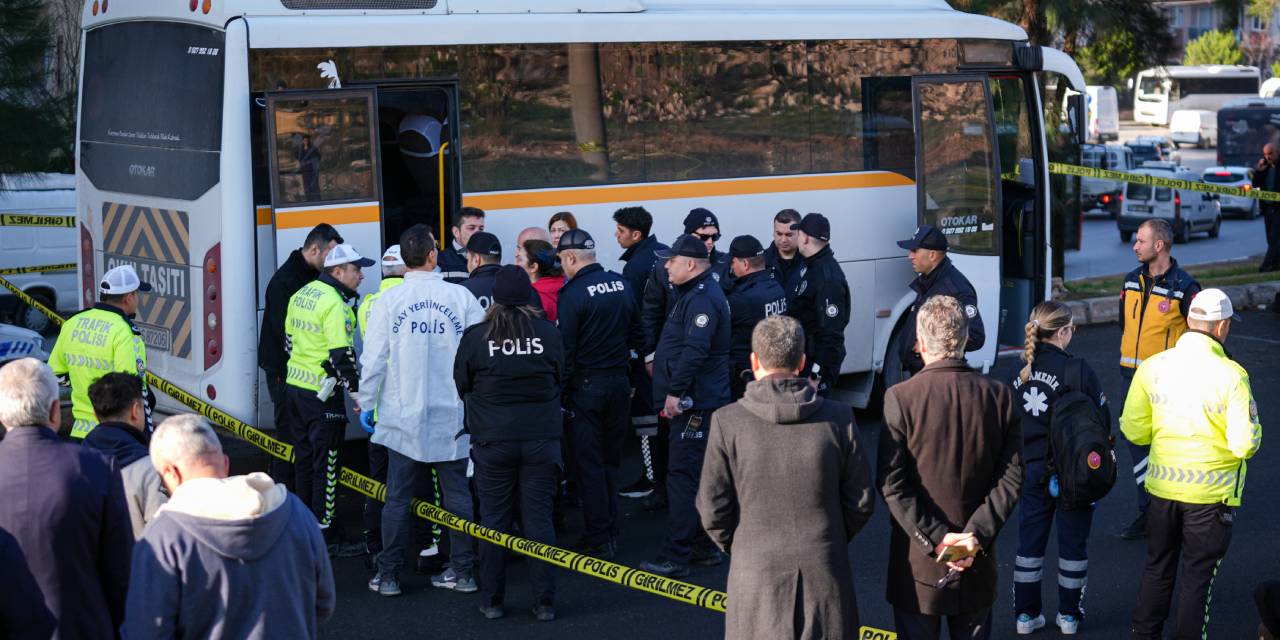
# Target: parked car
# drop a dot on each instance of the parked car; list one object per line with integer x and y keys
{"x": 1141, "y": 149}
{"x": 1100, "y": 194}
{"x": 1194, "y": 126}
{"x": 1104, "y": 113}
{"x": 1188, "y": 211}
{"x": 1233, "y": 177}
{"x": 16, "y": 342}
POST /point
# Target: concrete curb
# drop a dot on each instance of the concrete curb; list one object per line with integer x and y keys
{"x": 1107, "y": 309}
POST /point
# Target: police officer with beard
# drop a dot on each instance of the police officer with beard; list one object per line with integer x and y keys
{"x": 821, "y": 301}
{"x": 690, "y": 381}
{"x": 484, "y": 258}
{"x": 756, "y": 295}
{"x": 598, "y": 320}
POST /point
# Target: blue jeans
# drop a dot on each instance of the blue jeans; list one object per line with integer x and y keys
{"x": 402, "y": 475}
{"x": 1035, "y": 519}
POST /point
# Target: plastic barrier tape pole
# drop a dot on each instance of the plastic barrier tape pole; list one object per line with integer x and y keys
{"x": 36, "y": 220}
{"x": 48, "y": 268}
{"x": 685, "y": 592}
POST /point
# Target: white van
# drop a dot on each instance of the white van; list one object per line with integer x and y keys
{"x": 23, "y": 245}
{"x": 1104, "y": 113}
{"x": 1100, "y": 194}
{"x": 1187, "y": 211}
{"x": 1194, "y": 126}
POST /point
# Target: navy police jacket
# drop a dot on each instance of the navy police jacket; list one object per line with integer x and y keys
{"x": 597, "y": 318}
{"x": 692, "y": 358}
{"x": 481, "y": 282}
{"x": 821, "y": 304}
{"x": 660, "y": 297}
{"x": 755, "y": 296}
{"x": 511, "y": 388}
{"x": 786, "y": 272}
{"x": 945, "y": 280}
{"x": 1038, "y": 395}
{"x": 453, "y": 263}
{"x": 639, "y": 262}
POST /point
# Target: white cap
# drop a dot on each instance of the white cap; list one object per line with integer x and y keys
{"x": 343, "y": 254}
{"x": 391, "y": 258}
{"x": 121, "y": 280}
{"x": 1211, "y": 305}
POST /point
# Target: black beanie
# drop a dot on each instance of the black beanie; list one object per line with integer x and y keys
{"x": 512, "y": 286}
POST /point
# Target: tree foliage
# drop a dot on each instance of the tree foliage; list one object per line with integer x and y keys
{"x": 1214, "y": 47}
{"x": 38, "y": 120}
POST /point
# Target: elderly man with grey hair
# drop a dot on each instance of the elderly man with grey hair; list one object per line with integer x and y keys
{"x": 784, "y": 454}
{"x": 950, "y": 469}
{"x": 64, "y": 504}
{"x": 226, "y": 557}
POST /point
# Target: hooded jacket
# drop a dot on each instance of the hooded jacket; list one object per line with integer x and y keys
{"x": 784, "y": 455}
{"x": 294, "y": 274}
{"x": 239, "y": 557}
{"x": 141, "y": 482}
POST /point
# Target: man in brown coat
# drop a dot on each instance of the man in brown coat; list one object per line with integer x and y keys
{"x": 782, "y": 454}
{"x": 950, "y": 469}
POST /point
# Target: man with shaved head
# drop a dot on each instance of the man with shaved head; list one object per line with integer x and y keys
{"x": 1266, "y": 176}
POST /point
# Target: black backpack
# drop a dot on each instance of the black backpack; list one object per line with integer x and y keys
{"x": 1081, "y": 447}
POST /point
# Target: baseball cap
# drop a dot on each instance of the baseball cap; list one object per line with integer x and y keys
{"x": 745, "y": 247}
{"x": 815, "y": 225}
{"x": 687, "y": 246}
{"x": 121, "y": 280}
{"x": 486, "y": 243}
{"x": 926, "y": 236}
{"x": 1211, "y": 305}
{"x": 391, "y": 257}
{"x": 511, "y": 286}
{"x": 576, "y": 239}
{"x": 699, "y": 218}
{"x": 344, "y": 254}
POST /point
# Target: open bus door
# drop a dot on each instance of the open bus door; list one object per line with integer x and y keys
{"x": 325, "y": 167}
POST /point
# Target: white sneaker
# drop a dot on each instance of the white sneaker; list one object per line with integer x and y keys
{"x": 1028, "y": 625}
{"x": 1069, "y": 625}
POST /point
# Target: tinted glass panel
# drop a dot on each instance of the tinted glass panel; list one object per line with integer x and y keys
{"x": 1137, "y": 191}
{"x": 957, "y": 163}
{"x": 323, "y": 150}
{"x": 1192, "y": 86}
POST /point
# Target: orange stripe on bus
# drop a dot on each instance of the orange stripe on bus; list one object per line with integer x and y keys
{"x": 672, "y": 191}
{"x": 263, "y": 215}
{"x": 333, "y": 215}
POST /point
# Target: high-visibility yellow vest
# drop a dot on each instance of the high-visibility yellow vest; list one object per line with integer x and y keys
{"x": 93, "y": 343}
{"x": 1153, "y": 322}
{"x": 1193, "y": 406}
{"x": 367, "y": 303}
{"x": 316, "y": 321}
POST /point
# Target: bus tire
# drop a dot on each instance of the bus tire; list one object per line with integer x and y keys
{"x": 1126, "y": 236}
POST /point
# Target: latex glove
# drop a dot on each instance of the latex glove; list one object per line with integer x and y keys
{"x": 366, "y": 421}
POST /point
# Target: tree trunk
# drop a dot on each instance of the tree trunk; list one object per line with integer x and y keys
{"x": 1033, "y": 22}
{"x": 585, "y": 105}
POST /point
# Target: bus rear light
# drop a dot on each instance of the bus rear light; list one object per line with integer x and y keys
{"x": 213, "y": 306}
{"x": 194, "y": 4}
{"x": 88, "y": 280}
{"x": 212, "y": 392}
{"x": 208, "y": 4}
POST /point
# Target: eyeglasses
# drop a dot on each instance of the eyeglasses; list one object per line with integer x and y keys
{"x": 708, "y": 236}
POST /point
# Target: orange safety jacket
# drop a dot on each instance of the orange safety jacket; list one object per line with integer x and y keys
{"x": 1153, "y": 311}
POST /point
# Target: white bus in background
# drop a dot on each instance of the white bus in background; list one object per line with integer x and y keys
{"x": 1160, "y": 91}
{"x": 214, "y": 134}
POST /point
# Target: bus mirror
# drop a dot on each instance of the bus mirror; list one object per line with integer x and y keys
{"x": 1129, "y": 83}
{"x": 1075, "y": 104}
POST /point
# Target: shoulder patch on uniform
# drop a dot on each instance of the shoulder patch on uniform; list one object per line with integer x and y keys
{"x": 701, "y": 320}
{"x": 804, "y": 284}
{"x": 971, "y": 311}
{"x": 832, "y": 311}
{"x": 716, "y": 276}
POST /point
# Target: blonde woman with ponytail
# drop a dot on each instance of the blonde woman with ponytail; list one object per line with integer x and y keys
{"x": 1036, "y": 389}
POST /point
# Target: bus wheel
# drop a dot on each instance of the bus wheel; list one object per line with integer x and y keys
{"x": 1126, "y": 236}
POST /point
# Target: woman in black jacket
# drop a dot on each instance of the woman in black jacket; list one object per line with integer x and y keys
{"x": 509, "y": 372}
{"x": 1036, "y": 390}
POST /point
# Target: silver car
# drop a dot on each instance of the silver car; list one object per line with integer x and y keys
{"x": 1233, "y": 177}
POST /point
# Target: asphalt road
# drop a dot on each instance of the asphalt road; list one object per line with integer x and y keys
{"x": 591, "y": 608}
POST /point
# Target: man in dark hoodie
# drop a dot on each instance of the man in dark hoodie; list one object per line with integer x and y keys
{"x": 122, "y": 420}
{"x": 780, "y": 441}
{"x": 236, "y": 557}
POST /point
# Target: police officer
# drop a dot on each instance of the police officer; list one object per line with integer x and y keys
{"x": 821, "y": 301}
{"x": 756, "y": 295}
{"x": 927, "y": 251}
{"x": 102, "y": 340}
{"x": 691, "y": 379}
{"x": 1192, "y": 404}
{"x": 320, "y": 331}
{"x": 453, "y": 258}
{"x": 782, "y": 256}
{"x": 632, "y": 233}
{"x": 509, "y": 371}
{"x": 597, "y": 319}
{"x": 484, "y": 259}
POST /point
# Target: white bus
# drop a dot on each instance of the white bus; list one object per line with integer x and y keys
{"x": 214, "y": 133}
{"x": 1162, "y": 90}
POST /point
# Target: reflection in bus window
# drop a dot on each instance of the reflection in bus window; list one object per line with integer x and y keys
{"x": 957, "y": 163}
{"x": 323, "y": 153}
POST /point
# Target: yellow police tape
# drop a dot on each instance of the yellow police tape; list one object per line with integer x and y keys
{"x": 693, "y": 594}
{"x": 36, "y": 220}
{"x": 48, "y": 268}
{"x": 1157, "y": 181}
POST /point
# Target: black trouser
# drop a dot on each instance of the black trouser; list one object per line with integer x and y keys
{"x": 1271, "y": 218}
{"x": 281, "y": 470}
{"x": 1195, "y": 536}
{"x": 503, "y": 471}
{"x": 600, "y": 414}
{"x": 918, "y": 626}
{"x": 688, "y": 448}
{"x": 318, "y": 428}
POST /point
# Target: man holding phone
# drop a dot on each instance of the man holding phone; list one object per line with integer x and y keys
{"x": 1266, "y": 176}
{"x": 950, "y": 469}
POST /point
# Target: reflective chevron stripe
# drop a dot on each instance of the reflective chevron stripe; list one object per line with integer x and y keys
{"x": 1191, "y": 476}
